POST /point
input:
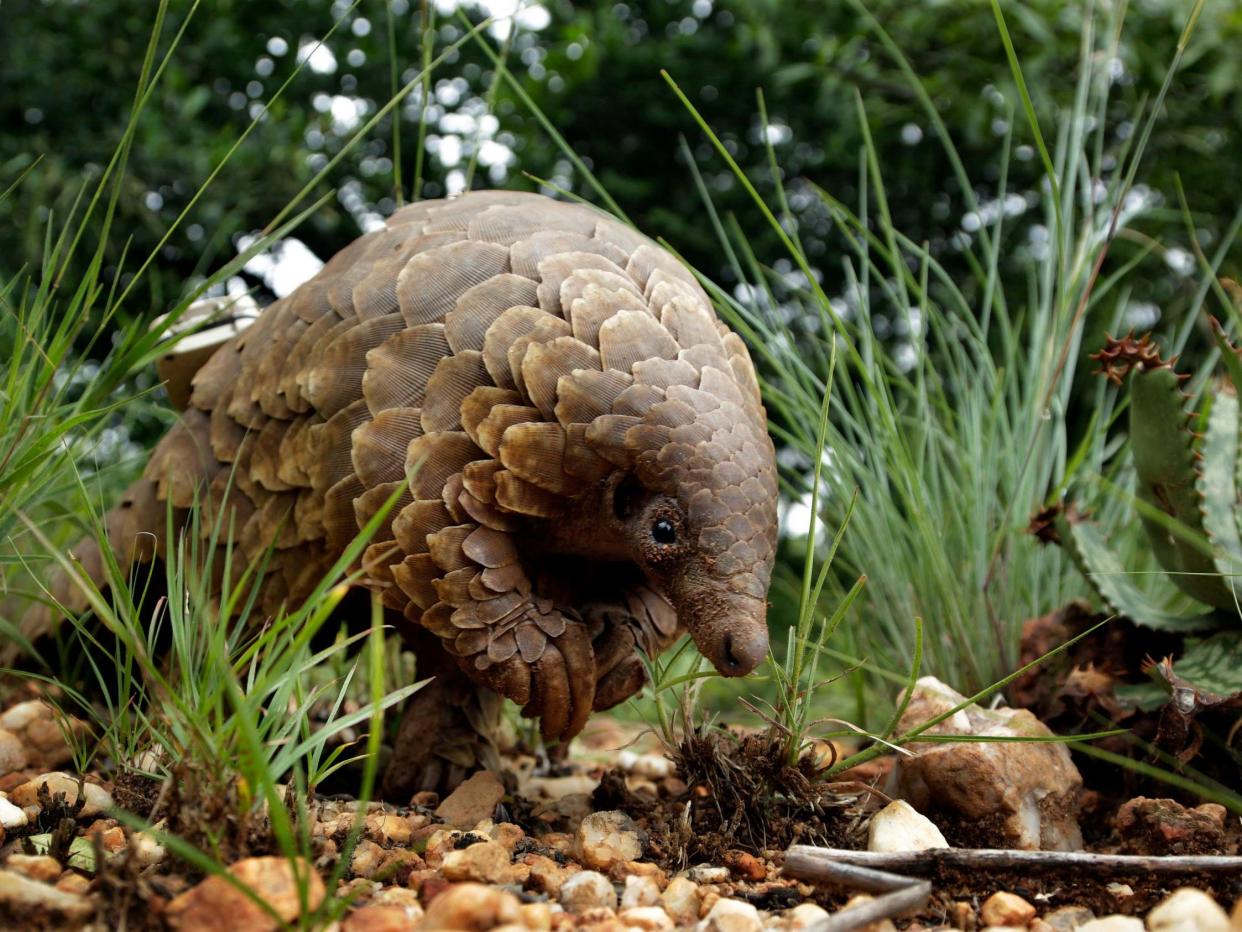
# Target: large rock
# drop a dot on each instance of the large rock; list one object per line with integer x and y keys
{"x": 216, "y": 905}
{"x": 1001, "y": 794}
{"x": 1188, "y": 910}
{"x": 1155, "y": 826}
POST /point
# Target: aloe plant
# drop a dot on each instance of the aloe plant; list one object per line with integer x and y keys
{"x": 1187, "y": 468}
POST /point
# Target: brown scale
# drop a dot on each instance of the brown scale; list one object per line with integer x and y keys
{"x": 576, "y": 445}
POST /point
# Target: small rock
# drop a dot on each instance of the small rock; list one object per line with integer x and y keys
{"x": 385, "y": 828}
{"x": 537, "y": 916}
{"x": 1112, "y": 924}
{"x": 38, "y": 867}
{"x": 640, "y": 891}
{"x": 607, "y": 838}
{"x": 648, "y": 918}
{"x": 215, "y": 904}
{"x": 1006, "y": 909}
{"x": 805, "y": 915}
{"x": 1003, "y": 794}
{"x": 73, "y": 882}
{"x": 367, "y": 858}
{"x": 901, "y": 827}
{"x": 507, "y": 834}
{"x": 545, "y": 876}
{"x": 681, "y": 899}
{"x": 21, "y": 896}
{"x": 10, "y": 816}
{"x": 12, "y": 752}
{"x": 745, "y": 865}
{"x": 380, "y": 919}
{"x": 19, "y": 716}
{"x": 1164, "y": 826}
{"x": 27, "y": 795}
{"x": 732, "y": 916}
{"x": 146, "y": 850}
{"x": 1188, "y": 910}
{"x": 467, "y": 907}
{"x": 1120, "y": 891}
{"x": 588, "y": 890}
{"x": 1068, "y": 918}
{"x": 961, "y": 915}
{"x": 473, "y": 801}
{"x": 487, "y": 862}
{"x": 708, "y": 873}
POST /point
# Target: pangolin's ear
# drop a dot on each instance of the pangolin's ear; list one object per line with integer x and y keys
{"x": 627, "y": 497}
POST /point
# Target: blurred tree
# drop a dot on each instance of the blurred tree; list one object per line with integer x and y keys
{"x": 69, "y": 71}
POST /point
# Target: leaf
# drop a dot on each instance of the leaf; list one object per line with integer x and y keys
{"x": 1105, "y": 572}
{"x": 1213, "y": 664}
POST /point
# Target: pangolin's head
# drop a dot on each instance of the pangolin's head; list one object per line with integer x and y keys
{"x": 696, "y": 503}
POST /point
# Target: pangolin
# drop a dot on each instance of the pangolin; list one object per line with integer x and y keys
{"x": 580, "y": 447}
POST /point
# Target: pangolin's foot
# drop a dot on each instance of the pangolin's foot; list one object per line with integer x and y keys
{"x": 447, "y": 733}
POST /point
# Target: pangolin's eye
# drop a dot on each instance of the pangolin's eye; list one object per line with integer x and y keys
{"x": 664, "y": 532}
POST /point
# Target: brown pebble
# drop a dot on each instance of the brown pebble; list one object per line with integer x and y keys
{"x": 745, "y": 866}
{"x": 1006, "y": 909}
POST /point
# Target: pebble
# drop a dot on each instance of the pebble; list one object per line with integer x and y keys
{"x": 1188, "y": 910}
{"x": 648, "y": 918}
{"x": 146, "y": 850}
{"x": 19, "y": 895}
{"x": 1068, "y": 918}
{"x": 883, "y": 925}
{"x": 607, "y": 838}
{"x": 640, "y": 891}
{"x": 380, "y": 919}
{"x": 588, "y": 890}
{"x": 27, "y": 795}
{"x": 19, "y": 716}
{"x": 1113, "y": 924}
{"x": 745, "y": 865}
{"x": 546, "y": 876}
{"x": 387, "y": 829}
{"x": 367, "y": 858}
{"x": 11, "y": 816}
{"x": 707, "y": 873}
{"x": 486, "y": 862}
{"x": 35, "y": 866}
{"x": 473, "y": 801}
{"x": 731, "y": 916}
{"x": 1006, "y": 909}
{"x": 12, "y": 752}
{"x": 215, "y": 904}
{"x": 472, "y": 906}
{"x": 805, "y": 915}
{"x": 681, "y": 900}
{"x": 901, "y": 827}
{"x": 537, "y": 916}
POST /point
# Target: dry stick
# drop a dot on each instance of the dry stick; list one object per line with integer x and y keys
{"x": 824, "y": 864}
{"x": 910, "y": 897}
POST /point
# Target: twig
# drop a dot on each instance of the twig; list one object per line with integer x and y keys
{"x": 905, "y": 899}
{"x": 824, "y": 864}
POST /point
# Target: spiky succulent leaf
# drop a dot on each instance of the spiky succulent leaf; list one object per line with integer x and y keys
{"x": 1105, "y": 572}
{"x": 1165, "y": 462}
{"x": 1218, "y": 478}
{"x": 1213, "y": 664}
{"x": 1229, "y": 355}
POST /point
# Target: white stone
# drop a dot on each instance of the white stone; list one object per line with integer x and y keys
{"x": 731, "y": 916}
{"x": 640, "y": 891}
{"x": 681, "y": 900}
{"x": 1188, "y": 910}
{"x": 708, "y": 873}
{"x": 11, "y": 816}
{"x": 805, "y": 915}
{"x": 588, "y": 890}
{"x": 27, "y": 795}
{"x": 22, "y": 714}
{"x": 901, "y": 827}
{"x": 19, "y": 895}
{"x": 607, "y": 838}
{"x": 1113, "y": 924}
{"x": 647, "y": 918}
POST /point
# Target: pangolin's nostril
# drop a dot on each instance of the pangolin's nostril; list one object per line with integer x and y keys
{"x": 741, "y": 653}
